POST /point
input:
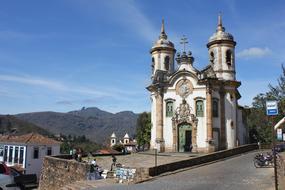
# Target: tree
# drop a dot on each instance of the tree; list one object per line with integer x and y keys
{"x": 260, "y": 125}
{"x": 144, "y": 130}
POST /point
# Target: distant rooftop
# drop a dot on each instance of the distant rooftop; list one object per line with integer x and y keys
{"x": 31, "y": 138}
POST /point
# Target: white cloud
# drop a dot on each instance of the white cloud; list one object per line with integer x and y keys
{"x": 57, "y": 86}
{"x": 51, "y": 84}
{"x": 33, "y": 81}
{"x": 254, "y": 52}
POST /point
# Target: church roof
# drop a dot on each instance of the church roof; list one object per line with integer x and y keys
{"x": 126, "y": 136}
{"x": 113, "y": 135}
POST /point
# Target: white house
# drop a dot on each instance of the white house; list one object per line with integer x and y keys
{"x": 195, "y": 110}
{"x": 27, "y": 151}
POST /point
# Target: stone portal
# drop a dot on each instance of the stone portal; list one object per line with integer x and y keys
{"x": 184, "y": 125}
{"x": 185, "y": 138}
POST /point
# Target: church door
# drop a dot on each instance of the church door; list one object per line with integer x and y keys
{"x": 184, "y": 138}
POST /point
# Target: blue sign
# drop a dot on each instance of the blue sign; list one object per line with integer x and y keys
{"x": 271, "y": 108}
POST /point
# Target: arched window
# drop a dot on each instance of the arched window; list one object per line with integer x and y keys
{"x": 215, "y": 108}
{"x": 199, "y": 108}
{"x": 212, "y": 57}
{"x": 229, "y": 57}
{"x": 169, "y": 109}
{"x": 152, "y": 64}
{"x": 166, "y": 63}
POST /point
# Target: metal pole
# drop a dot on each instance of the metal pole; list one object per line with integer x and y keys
{"x": 155, "y": 154}
{"x": 155, "y": 160}
{"x": 274, "y": 156}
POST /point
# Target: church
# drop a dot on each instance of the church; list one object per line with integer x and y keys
{"x": 195, "y": 110}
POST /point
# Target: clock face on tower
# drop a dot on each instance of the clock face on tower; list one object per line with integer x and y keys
{"x": 184, "y": 88}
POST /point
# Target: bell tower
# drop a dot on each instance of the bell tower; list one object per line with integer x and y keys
{"x": 162, "y": 53}
{"x": 221, "y": 48}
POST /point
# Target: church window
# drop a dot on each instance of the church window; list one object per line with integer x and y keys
{"x": 169, "y": 109}
{"x": 229, "y": 57}
{"x": 152, "y": 64}
{"x": 215, "y": 108}
{"x": 212, "y": 57}
{"x": 166, "y": 63}
{"x": 199, "y": 108}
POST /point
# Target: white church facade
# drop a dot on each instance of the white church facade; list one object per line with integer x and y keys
{"x": 195, "y": 110}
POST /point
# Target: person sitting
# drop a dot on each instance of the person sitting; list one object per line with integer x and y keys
{"x": 91, "y": 173}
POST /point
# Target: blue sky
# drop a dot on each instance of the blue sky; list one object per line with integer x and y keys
{"x": 61, "y": 55}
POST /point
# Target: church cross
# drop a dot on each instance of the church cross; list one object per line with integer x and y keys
{"x": 184, "y": 42}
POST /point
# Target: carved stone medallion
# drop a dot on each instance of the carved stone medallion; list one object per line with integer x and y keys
{"x": 184, "y": 87}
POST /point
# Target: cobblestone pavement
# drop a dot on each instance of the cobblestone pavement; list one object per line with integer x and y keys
{"x": 143, "y": 160}
{"x": 237, "y": 173}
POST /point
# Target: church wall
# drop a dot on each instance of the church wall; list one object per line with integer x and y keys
{"x": 201, "y": 128}
{"x": 220, "y": 61}
{"x": 153, "y": 121}
{"x": 159, "y": 58}
{"x": 241, "y": 128}
{"x": 217, "y": 120}
{"x": 230, "y": 113}
{"x": 202, "y": 131}
{"x": 167, "y": 124}
{"x": 225, "y": 67}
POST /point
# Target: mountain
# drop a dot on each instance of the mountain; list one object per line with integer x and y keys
{"x": 95, "y": 124}
{"x": 12, "y": 125}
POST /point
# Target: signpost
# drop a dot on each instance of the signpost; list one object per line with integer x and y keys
{"x": 272, "y": 110}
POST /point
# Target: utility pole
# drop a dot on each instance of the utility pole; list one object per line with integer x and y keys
{"x": 274, "y": 154}
{"x": 272, "y": 110}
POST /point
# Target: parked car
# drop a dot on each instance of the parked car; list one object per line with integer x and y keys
{"x": 6, "y": 178}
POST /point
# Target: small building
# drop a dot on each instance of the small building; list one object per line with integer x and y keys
{"x": 27, "y": 151}
{"x": 130, "y": 145}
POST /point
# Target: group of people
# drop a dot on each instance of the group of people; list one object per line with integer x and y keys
{"x": 76, "y": 154}
{"x": 95, "y": 171}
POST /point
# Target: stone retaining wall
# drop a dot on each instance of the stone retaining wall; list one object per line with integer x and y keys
{"x": 281, "y": 171}
{"x": 201, "y": 159}
{"x": 61, "y": 170}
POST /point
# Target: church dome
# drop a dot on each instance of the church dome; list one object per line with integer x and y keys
{"x": 220, "y": 33}
{"x": 162, "y": 42}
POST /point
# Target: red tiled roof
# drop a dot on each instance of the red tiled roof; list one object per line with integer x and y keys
{"x": 105, "y": 151}
{"x": 31, "y": 138}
